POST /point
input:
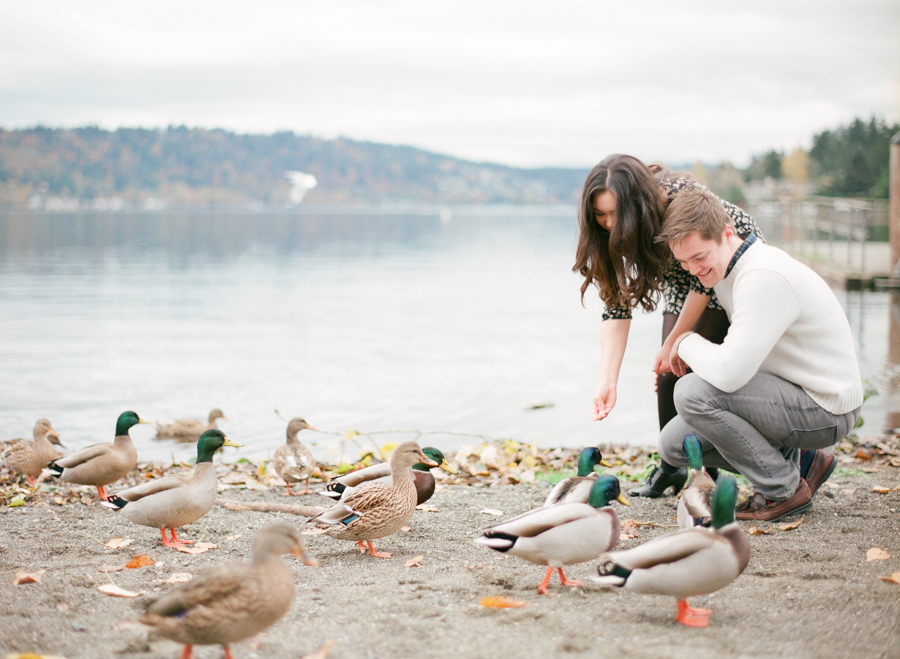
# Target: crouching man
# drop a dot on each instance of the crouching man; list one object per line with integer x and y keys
{"x": 783, "y": 385}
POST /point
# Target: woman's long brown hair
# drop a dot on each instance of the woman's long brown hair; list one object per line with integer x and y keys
{"x": 626, "y": 264}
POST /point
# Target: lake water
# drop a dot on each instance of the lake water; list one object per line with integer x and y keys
{"x": 368, "y": 319}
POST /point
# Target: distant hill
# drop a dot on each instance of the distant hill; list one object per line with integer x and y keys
{"x": 89, "y": 167}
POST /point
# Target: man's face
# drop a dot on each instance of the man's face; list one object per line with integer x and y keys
{"x": 705, "y": 259}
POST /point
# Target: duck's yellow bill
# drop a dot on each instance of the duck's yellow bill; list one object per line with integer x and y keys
{"x": 621, "y": 499}
{"x": 446, "y": 467}
{"x": 606, "y": 464}
{"x": 140, "y": 420}
{"x": 231, "y": 442}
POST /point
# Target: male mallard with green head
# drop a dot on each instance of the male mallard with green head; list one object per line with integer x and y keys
{"x": 338, "y": 488}
{"x": 233, "y": 601}
{"x": 562, "y": 534}
{"x": 375, "y": 509}
{"x": 577, "y": 489}
{"x": 173, "y": 501}
{"x": 690, "y": 562}
{"x": 294, "y": 461}
{"x": 31, "y": 456}
{"x": 101, "y": 464}
{"x": 694, "y": 504}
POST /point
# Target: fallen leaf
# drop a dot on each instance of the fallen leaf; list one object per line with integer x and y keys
{"x": 876, "y": 554}
{"x": 894, "y": 578}
{"x": 115, "y": 591}
{"x": 18, "y": 500}
{"x": 427, "y": 507}
{"x": 884, "y": 490}
{"x": 118, "y": 543}
{"x": 500, "y": 602}
{"x": 141, "y": 560}
{"x": 490, "y": 511}
{"x": 789, "y": 526}
{"x": 853, "y": 491}
{"x": 235, "y": 537}
{"x": 28, "y": 577}
{"x": 199, "y": 548}
{"x": 59, "y": 501}
{"x": 110, "y": 568}
{"x": 755, "y": 530}
{"x": 406, "y": 529}
{"x": 86, "y": 500}
{"x": 414, "y": 562}
{"x": 179, "y": 577}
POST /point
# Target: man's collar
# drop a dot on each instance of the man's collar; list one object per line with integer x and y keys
{"x": 744, "y": 246}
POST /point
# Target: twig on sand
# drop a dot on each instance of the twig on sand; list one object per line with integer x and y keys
{"x": 261, "y": 507}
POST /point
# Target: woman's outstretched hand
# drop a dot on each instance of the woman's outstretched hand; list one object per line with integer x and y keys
{"x": 604, "y": 401}
{"x": 661, "y": 362}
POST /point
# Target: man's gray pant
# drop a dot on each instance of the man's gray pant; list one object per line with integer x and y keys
{"x": 756, "y": 431}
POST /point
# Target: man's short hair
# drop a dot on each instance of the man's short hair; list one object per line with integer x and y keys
{"x": 694, "y": 210}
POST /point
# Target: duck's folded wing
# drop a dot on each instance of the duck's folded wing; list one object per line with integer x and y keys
{"x": 696, "y": 500}
{"x": 360, "y": 476}
{"x": 153, "y": 487}
{"x": 339, "y": 513}
{"x": 84, "y": 455}
{"x": 219, "y": 583}
{"x": 536, "y": 521}
{"x": 665, "y": 549}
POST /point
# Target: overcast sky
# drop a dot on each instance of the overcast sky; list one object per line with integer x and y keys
{"x": 527, "y": 83}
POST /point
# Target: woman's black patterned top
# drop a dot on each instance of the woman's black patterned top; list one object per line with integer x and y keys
{"x": 678, "y": 281}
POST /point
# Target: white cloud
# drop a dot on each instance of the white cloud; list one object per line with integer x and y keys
{"x": 523, "y": 82}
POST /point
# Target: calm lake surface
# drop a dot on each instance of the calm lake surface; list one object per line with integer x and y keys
{"x": 372, "y": 320}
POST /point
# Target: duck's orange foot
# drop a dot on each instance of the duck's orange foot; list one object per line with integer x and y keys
{"x": 692, "y": 617}
{"x": 571, "y": 583}
{"x": 377, "y": 554}
{"x": 175, "y": 541}
{"x": 362, "y": 547}
{"x": 542, "y": 587}
{"x": 31, "y": 480}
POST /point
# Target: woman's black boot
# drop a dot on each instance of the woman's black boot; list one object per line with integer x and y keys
{"x": 658, "y": 481}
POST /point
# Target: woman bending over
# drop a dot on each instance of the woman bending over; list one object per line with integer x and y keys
{"x": 623, "y": 206}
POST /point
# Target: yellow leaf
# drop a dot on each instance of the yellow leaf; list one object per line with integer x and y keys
{"x": 500, "y": 602}
{"x": 28, "y": 577}
{"x": 753, "y": 530}
{"x": 351, "y": 433}
{"x": 894, "y": 578}
{"x": 790, "y": 526}
{"x": 414, "y": 562}
{"x": 115, "y": 591}
{"x": 118, "y": 543}
{"x": 881, "y": 490}
{"x": 876, "y": 554}
{"x": 141, "y": 560}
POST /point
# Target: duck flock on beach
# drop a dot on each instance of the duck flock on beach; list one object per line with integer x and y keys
{"x": 235, "y": 601}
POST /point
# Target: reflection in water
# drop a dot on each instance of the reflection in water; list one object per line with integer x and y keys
{"x": 368, "y": 320}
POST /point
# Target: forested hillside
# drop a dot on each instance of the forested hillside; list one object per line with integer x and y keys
{"x": 178, "y": 165}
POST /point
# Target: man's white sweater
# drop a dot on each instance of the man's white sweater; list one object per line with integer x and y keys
{"x": 785, "y": 321}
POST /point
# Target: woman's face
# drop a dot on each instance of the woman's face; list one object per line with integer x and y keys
{"x": 604, "y": 204}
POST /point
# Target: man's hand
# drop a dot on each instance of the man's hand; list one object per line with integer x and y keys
{"x": 604, "y": 400}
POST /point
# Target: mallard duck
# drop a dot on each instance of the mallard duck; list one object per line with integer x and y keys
{"x": 101, "y": 464}
{"x": 294, "y": 461}
{"x": 31, "y": 456}
{"x": 340, "y": 487}
{"x": 563, "y": 534}
{"x": 233, "y": 601}
{"x": 173, "y": 501}
{"x": 690, "y": 562}
{"x": 375, "y": 509}
{"x": 577, "y": 489}
{"x": 188, "y": 430}
{"x": 694, "y": 504}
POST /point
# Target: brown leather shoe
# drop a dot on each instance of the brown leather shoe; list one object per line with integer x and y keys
{"x": 823, "y": 463}
{"x": 758, "y": 509}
